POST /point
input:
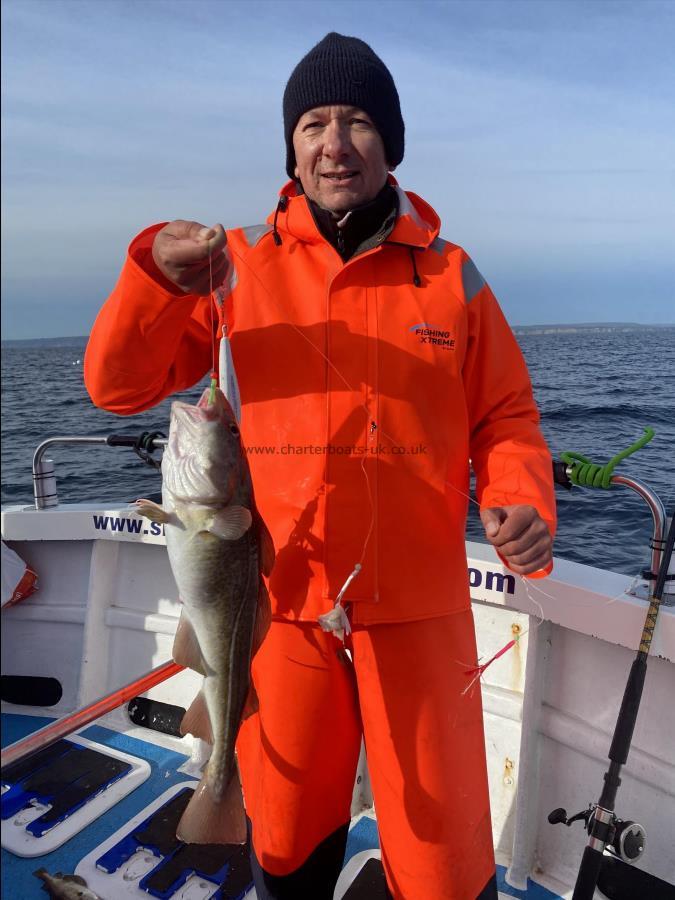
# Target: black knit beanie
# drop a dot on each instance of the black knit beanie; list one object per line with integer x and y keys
{"x": 344, "y": 70}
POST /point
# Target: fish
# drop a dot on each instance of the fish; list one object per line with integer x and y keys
{"x": 65, "y": 887}
{"x": 219, "y": 549}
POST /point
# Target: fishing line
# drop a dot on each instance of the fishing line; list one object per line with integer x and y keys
{"x": 478, "y": 670}
{"x": 214, "y": 339}
{"x": 540, "y": 609}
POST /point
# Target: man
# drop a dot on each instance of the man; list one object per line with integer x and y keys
{"x": 373, "y": 363}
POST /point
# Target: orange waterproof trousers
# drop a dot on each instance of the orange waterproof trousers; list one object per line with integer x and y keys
{"x": 424, "y": 742}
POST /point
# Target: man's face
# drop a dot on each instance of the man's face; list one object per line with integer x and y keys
{"x": 339, "y": 157}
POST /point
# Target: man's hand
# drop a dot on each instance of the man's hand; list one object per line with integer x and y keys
{"x": 181, "y": 253}
{"x": 520, "y": 535}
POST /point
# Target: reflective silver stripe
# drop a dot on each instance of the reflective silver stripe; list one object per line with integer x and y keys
{"x": 229, "y": 284}
{"x": 438, "y": 245}
{"x": 253, "y": 233}
{"x": 472, "y": 280}
{"x": 405, "y": 207}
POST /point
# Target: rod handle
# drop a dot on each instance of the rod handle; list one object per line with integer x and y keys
{"x": 560, "y": 475}
{"x": 589, "y": 872}
{"x": 121, "y": 440}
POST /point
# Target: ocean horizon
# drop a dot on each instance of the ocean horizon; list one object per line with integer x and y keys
{"x": 597, "y": 385}
{"x": 542, "y": 328}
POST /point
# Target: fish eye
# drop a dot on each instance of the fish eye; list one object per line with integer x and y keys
{"x": 234, "y": 429}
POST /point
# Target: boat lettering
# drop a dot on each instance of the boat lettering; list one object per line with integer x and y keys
{"x": 494, "y": 581}
{"x": 131, "y": 526}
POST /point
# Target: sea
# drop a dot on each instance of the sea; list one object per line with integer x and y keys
{"x": 597, "y": 388}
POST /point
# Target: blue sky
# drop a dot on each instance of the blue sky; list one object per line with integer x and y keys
{"x": 543, "y": 133}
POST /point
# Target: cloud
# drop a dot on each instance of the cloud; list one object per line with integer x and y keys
{"x": 537, "y": 130}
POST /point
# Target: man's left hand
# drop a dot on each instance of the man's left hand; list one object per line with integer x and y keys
{"x": 520, "y": 536}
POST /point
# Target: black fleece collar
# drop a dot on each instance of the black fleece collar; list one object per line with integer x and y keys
{"x": 360, "y": 229}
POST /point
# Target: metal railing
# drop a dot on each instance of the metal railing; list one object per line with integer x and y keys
{"x": 44, "y": 476}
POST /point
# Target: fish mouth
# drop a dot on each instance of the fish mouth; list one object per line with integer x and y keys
{"x": 208, "y": 402}
{"x": 200, "y": 459}
{"x": 202, "y": 411}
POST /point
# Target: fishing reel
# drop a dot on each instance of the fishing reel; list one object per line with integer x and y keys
{"x": 624, "y": 839}
{"x": 143, "y": 445}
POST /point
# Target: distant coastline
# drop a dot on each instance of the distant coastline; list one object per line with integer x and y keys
{"x": 73, "y": 341}
{"x": 585, "y": 327}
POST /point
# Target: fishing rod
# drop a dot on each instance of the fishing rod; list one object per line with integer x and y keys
{"x": 622, "y": 838}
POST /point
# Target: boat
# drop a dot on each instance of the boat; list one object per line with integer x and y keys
{"x": 90, "y": 650}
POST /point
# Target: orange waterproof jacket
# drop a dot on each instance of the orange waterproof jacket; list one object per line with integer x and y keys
{"x": 366, "y": 388}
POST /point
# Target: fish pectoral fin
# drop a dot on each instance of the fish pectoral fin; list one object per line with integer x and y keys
{"x": 214, "y": 820}
{"x": 151, "y": 510}
{"x": 186, "y": 650}
{"x": 252, "y": 704}
{"x": 197, "y": 720}
{"x": 231, "y": 523}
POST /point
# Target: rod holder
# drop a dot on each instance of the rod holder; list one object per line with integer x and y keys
{"x": 44, "y": 484}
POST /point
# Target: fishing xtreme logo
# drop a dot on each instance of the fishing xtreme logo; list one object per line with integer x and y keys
{"x": 427, "y": 333}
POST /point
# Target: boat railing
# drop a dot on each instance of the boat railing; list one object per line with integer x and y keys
{"x": 561, "y": 476}
{"x": 44, "y": 475}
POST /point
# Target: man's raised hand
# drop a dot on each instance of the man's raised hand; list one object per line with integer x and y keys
{"x": 181, "y": 253}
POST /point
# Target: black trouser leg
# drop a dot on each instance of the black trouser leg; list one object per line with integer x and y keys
{"x": 489, "y": 892}
{"x": 314, "y": 880}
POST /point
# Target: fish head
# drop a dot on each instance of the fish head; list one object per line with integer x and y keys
{"x": 204, "y": 461}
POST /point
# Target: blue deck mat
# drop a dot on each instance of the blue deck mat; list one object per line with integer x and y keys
{"x": 18, "y": 881}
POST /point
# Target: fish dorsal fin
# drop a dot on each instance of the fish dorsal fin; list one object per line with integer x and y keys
{"x": 266, "y": 543}
{"x": 186, "y": 649}
{"x": 263, "y": 618}
{"x": 252, "y": 704}
{"x": 231, "y": 523}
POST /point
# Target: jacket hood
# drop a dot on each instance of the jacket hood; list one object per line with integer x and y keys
{"x": 417, "y": 224}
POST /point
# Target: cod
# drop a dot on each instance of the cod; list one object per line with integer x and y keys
{"x": 218, "y": 549}
{"x": 65, "y": 887}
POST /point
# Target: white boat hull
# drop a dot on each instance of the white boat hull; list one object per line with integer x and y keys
{"x": 107, "y": 609}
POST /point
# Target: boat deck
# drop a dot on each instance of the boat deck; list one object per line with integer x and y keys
{"x": 108, "y": 842}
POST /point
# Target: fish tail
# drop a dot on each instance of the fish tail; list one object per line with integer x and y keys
{"x": 211, "y": 820}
